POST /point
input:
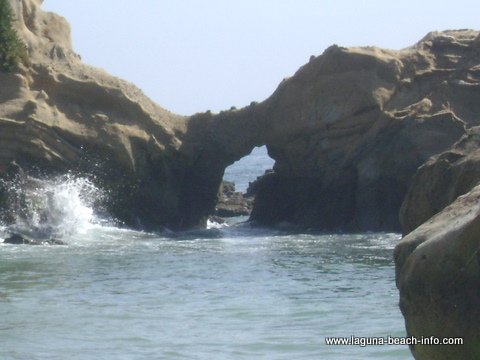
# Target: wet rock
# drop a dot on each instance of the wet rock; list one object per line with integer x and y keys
{"x": 216, "y": 219}
{"x": 19, "y": 239}
{"x": 254, "y": 185}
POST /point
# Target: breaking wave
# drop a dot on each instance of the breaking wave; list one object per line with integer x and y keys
{"x": 46, "y": 208}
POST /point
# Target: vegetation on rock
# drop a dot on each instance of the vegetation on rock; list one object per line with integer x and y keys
{"x": 12, "y": 49}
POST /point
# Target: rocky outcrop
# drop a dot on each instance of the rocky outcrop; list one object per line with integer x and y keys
{"x": 438, "y": 275}
{"x": 441, "y": 180}
{"x": 232, "y": 203}
{"x": 18, "y": 239}
{"x": 347, "y": 131}
{"x": 58, "y": 115}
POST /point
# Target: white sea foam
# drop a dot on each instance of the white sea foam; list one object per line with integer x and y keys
{"x": 56, "y": 207}
{"x": 215, "y": 225}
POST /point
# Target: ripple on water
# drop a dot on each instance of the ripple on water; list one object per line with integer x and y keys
{"x": 118, "y": 294}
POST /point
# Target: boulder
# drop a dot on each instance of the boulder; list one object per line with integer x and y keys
{"x": 441, "y": 180}
{"x": 438, "y": 275}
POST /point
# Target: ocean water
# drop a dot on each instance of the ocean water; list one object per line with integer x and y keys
{"x": 230, "y": 292}
{"x": 249, "y": 168}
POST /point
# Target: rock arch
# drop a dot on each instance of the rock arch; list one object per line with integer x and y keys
{"x": 347, "y": 131}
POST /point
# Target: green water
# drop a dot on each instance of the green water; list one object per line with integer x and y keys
{"x": 249, "y": 294}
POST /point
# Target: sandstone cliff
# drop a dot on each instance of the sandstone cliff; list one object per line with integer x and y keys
{"x": 57, "y": 114}
{"x": 347, "y": 131}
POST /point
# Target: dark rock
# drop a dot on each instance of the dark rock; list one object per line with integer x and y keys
{"x": 232, "y": 203}
{"x": 216, "y": 219}
{"x": 441, "y": 180}
{"x": 438, "y": 275}
{"x": 18, "y": 239}
{"x": 253, "y": 185}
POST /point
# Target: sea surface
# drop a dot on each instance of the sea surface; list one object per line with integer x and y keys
{"x": 249, "y": 168}
{"x": 229, "y": 292}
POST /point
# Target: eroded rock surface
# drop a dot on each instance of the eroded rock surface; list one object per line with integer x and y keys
{"x": 441, "y": 180}
{"x": 347, "y": 131}
{"x": 438, "y": 275}
{"x": 57, "y": 114}
{"x": 350, "y": 128}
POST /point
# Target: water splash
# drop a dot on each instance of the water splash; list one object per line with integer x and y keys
{"x": 46, "y": 208}
{"x": 211, "y": 224}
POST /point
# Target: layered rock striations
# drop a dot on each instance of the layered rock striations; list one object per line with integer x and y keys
{"x": 57, "y": 115}
{"x": 347, "y": 131}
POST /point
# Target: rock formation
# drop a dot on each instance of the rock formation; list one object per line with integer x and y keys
{"x": 347, "y": 131}
{"x": 438, "y": 275}
{"x": 437, "y": 263}
{"x": 18, "y": 239}
{"x": 441, "y": 180}
{"x": 232, "y": 203}
{"x": 57, "y": 114}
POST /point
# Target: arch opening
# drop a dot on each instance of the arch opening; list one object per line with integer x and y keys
{"x": 236, "y": 195}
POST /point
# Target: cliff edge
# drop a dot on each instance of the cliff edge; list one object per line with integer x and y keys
{"x": 58, "y": 114}
{"x": 347, "y": 131}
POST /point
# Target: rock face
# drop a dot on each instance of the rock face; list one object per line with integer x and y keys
{"x": 438, "y": 275}
{"x": 347, "y": 131}
{"x": 441, "y": 180}
{"x": 57, "y": 114}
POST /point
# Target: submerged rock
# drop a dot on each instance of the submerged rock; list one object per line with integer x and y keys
{"x": 18, "y": 239}
{"x": 438, "y": 275}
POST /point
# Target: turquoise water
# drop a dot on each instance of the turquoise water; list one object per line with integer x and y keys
{"x": 116, "y": 294}
{"x": 233, "y": 292}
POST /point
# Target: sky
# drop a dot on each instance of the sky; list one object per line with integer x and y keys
{"x": 195, "y": 55}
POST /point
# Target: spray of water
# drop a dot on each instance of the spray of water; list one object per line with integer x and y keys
{"x": 58, "y": 207}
